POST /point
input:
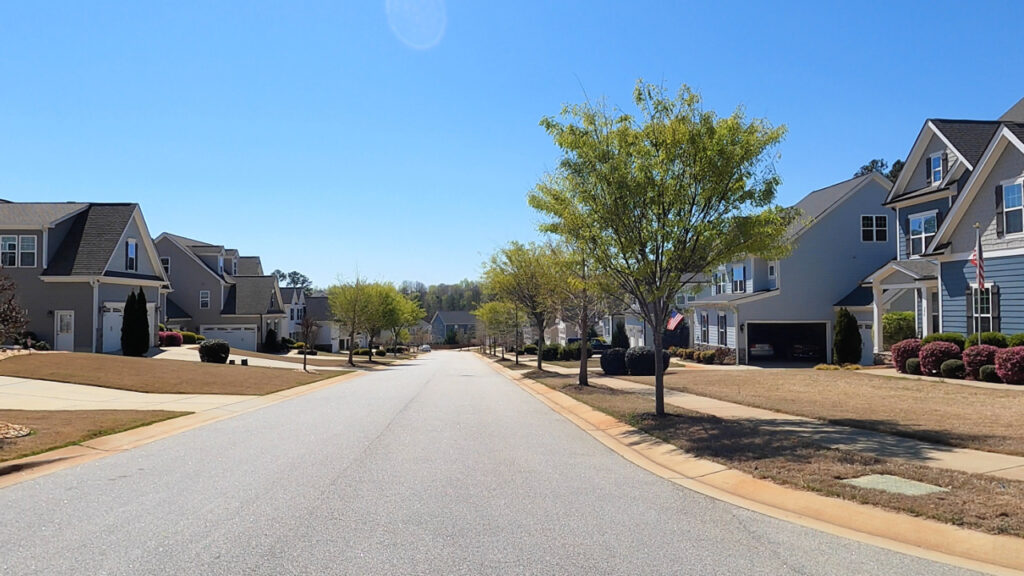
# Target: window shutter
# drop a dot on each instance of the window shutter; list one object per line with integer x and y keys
{"x": 999, "y": 212}
{"x": 969, "y": 305}
{"x": 744, "y": 278}
{"x": 945, "y": 164}
{"x": 938, "y": 220}
{"x": 907, "y": 238}
{"x": 126, "y": 256}
{"x": 927, "y": 170}
{"x": 994, "y": 302}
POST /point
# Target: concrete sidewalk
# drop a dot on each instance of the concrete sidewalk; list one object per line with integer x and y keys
{"x": 831, "y": 435}
{"x": 28, "y": 394}
{"x": 191, "y": 354}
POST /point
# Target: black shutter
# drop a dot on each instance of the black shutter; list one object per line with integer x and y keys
{"x": 910, "y": 245}
{"x": 969, "y": 301}
{"x": 126, "y": 256}
{"x": 744, "y": 278}
{"x": 945, "y": 164}
{"x": 999, "y": 212}
{"x": 994, "y": 302}
{"x": 927, "y": 170}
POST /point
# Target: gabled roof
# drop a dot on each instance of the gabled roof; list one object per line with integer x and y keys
{"x": 859, "y": 297}
{"x": 91, "y": 241}
{"x": 250, "y": 266}
{"x": 36, "y": 214}
{"x": 455, "y": 317}
{"x": 288, "y": 293}
{"x": 815, "y": 205}
{"x": 318, "y": 308}
{"x": 175, "y": 312}
{"x": 969, "y": 138}
{"x": 251, "y": 295}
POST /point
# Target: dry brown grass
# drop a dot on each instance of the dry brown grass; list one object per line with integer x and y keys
{"x": 937, "y": 412}
{"x": 973, "y": 501}
{"x": 52, "y": 429}
{"x": 155, "y": 375}
{"x": 334, "y": 361}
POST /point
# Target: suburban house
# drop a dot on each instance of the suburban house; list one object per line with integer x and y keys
{"x": 962, "y": 179}
{"x": 293, "y": 302}
{"x": 74, "y": 265}
{"x": 457, "y": 324}
{"x": 218, "y": 293}
{"x": 783, "y": 310}
{"x": 637, "y": 330}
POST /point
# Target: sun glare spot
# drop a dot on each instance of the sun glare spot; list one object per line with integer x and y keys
{"x": 420, "y": 24}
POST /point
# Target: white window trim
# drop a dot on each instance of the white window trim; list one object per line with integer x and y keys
{"x": 1004, "y": 184}
{"x": 931, "y": 168}
{"x": 35, "y": 250}
{"x": 166, "y": 265}
{"x": 129, "y": 259}
{"x": 974, "y": 311}
{"x": 924, "y": 245}
{"x": 723, "y": 327}
{"x": 874, "y": 229}
{"x": 207, "y": 307}
{"x": 704, "y": 327}
{"x": 773, "y": 269}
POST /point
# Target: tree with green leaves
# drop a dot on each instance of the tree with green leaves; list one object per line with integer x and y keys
{"x": 667, "y": 195}
{"x": 526, "y": 275}
{"x": 584, "y": 295}
{"x": 308, "y": 329}
{"x": 497, "y": 320}
{"x": 349, "y": 304}
{"x": 846, "y": 342}
{"x": 135, "y": 325}
{"x": 13, "y": 317}
{"x": 619, "y": 337}
{"x": 407, "y": 312}
{"x": 881, "y": 166}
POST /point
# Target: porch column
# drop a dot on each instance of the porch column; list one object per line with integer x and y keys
{"x": 876, "y": 309}
{"x": 926, "y": 312}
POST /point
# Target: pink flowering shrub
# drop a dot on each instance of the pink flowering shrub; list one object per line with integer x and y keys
{"x": 903, "y": 351}
{"x": 1010, "y": 365}
{"x": 933, "y": 355}
{"x": 977, "y": 356}
{"x": 170, "y": 339}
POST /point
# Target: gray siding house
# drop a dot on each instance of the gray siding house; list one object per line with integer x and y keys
{"x": 959, "y": 174}
{"x": 218, "y": 293}
{"x": 785, "y": 310}
{"x": 459, "y": 323}
{"x": 74, "y": 265}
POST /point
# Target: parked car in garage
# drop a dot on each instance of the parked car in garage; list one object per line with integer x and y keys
{"x": 762, "y": 350}
{"x": 807, "y": 351}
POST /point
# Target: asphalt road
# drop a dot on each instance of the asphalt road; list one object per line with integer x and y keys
{"x": 439, "y": 467}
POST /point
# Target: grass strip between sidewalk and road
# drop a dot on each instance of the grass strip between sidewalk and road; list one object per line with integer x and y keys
{"x": 53, "y": 429}
{"x": 973, "y": 501}
{"x": 936, "y": 412}
{"x": 154, "y": 375}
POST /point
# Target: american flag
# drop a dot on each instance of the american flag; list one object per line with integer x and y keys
{"x": 978, "y": 259}
{"x": 674, "y": 318}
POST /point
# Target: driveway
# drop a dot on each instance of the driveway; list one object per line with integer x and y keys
{"x": 441, "y": 466}
{"x": 192, "y": 355}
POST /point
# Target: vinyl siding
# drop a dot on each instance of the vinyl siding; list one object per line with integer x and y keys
{"x": 940, "y": 205}
{"x": 713, "y": 313}
{"x": 1007, "y": 272}
{"x": 918, "y": 178}
{"x": 983, "y": 208}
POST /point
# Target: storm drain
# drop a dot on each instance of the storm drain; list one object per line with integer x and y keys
{"x": 895, "y": 484}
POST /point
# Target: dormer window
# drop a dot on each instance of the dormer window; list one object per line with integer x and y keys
{"x": 739, "y": 279}
{"x": 1013, "y": 207}
{"x": 935, "y": 168}
{"x": 220, "y": 264}
{"x": 131, "y": 252}
{"x": 234, "y": 267}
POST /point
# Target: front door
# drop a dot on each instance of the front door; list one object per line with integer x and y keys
{"x": 867, "y": 351}
{"x": 65, "y": 332}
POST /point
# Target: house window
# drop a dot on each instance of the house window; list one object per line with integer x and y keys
{"x": 131, "y": 262}
{"x": 166, "y": 263}
{"x": 935, "y": 165}
{"x": 704, "y": 327}
{"x": 1013, "y": 208}
{"x": 723, "y": 332}
{"x": 27, "y": 251}
{"x": 874, "y": 229}
{"x": 220, "y": 264}
{"x": 982, "y": 304}
{"x": 9, "y": 251}
{"x": 204, "y": 299}
{"x": 922, "y": 230}
{"x": 291, "y": 314}
{"x": 720, "y": 282}
{"x": 234, "y": 267}
{"x": 771, "y": 271}
{"x": 739, "y": 279}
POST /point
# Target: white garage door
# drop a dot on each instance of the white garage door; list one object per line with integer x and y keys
{"x": 239, "y": 337}
{"x": 112, "y": 317}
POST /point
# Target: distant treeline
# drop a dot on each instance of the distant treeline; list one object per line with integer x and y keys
{"x": 466, "y": 295}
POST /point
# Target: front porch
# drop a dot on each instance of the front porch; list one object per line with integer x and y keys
{"x": 905, "y": 285}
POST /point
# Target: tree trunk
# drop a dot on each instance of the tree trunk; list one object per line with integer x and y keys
{"x": 540, "y": 343}
{"x": 582, "y": 326}
{"x": 351, "y": 347}
{"x": 304, "y": 348}
{"x": 659, "y": 370}
{"x": 369, "y": 344}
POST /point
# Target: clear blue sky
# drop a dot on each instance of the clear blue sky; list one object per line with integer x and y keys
{"x": 326, "y": 137}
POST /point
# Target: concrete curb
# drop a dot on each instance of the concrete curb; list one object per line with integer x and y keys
{"x": 16, "y": 471}
{"x": 899, "y": 532}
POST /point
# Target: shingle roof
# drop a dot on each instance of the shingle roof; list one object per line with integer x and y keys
{"x": 969, "y": 137}
{"x": 287, "y": 293}
{"x": 252, "y": 295}
{"x": 250, "y": 266}
{"x": 455, "y": 317}
{"x": 731, "y": 297}
{"x": 1017, "y": 129}
{"x": 175, "y": 312}
{"x": 859, "y": 297}
{"x": 318, "y": 308}
{"x": 91, "y": 241}
{"x": 816, "y": 203}
{"x": 919, "y": 266}
{"x": 36, "y": 214}
{"x": 186, "y": 241}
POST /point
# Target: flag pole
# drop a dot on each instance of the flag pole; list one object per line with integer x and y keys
{"x": 977, "y": 278}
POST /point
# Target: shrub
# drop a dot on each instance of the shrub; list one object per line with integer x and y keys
{"x": 673, "y": 350}
{"x": 381, "y": 352}
{"x": 826, "y": 367}
{"x": 904, "y": 350}
{"x": 997, "y": 339}
{"x": 172, "y": 339}
{"x": 846, "y": 344}
{"x": 188, "y": 337}
{"x": 640, "y": 360}
{"x": 298, "y": 345}
{"x": 613, "y": 361}
{"x": 1010, "y": 365}
{"x": 571, "y": 352}
{"x": 530, "y": 349}
{"x": 953, "y": 369}
{"x": 216, "y": 351}
{"x": 619, "y": 337}
{"x": 851, "y": 366}
{"x": 725, "y": 356}
{"x": 200, "y": 338}
{"x": 362, "y": 352}
{"x": 1015, "y": 340}
{"x": 320, "y": 348}
{"x": 988, "y": 374}
{"x": 913, "y": 366}
{"x": 977, "y": 356}
{"x": 40, "y": 345}
{"x": 287, "y": 341}
{"x": 951, "y": 337}
{"x": 390, "y": 349}
{"x": 898, "y": 326}
{"x": 706, "y": 357}
{"x": 684, "y": 353}
{"x": 160, "y": 326}
{"x": 933, "y": 355}
{"x": 270, "y": 341}
{"x": 551, "y": 352}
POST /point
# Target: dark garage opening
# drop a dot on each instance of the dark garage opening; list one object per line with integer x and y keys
{"x": 780, "y": 342}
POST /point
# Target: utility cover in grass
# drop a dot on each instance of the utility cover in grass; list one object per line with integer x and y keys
{"x": 895, "y": 484}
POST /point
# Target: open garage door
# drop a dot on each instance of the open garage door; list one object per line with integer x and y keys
{"x": 238, "y": 337}
{"x": 787, "y": 342}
